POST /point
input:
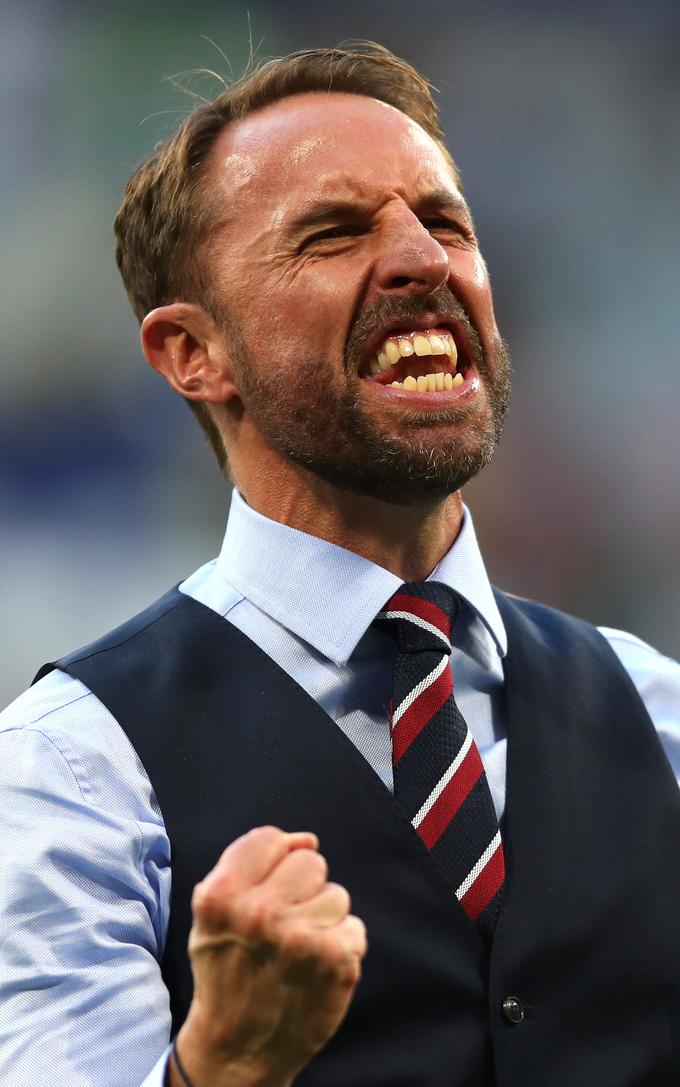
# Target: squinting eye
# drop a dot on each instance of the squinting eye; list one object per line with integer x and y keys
{"x": 331, "y": 233}
{"x": 443, "y": 224}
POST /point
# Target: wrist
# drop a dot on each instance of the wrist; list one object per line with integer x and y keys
{"x": 196, "y": 1062}
{"x": 176, "y": 1070}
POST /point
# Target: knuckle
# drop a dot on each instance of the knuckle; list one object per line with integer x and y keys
{"x": 358, "y": 934}
{"x": 198, "y": 897}
{"x": 356, "y": 925}
{"x": 298, "y": 941}
{"x": 321, "y": 863}
{"x": 340, "y": 897}
{"x": 256, "y": 916}
{"x": 345, "y": 964}
{"x": 352, "y": 974}
{"x": 336, "y": 959}
{"x": 305, "y": 864}
{"x": 207, "y": 903}
{"x": 351, "y": 936}
{"x": 307, "y": 860}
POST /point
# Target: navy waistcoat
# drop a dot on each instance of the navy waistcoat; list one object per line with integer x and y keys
{"x": 588, "y": 938}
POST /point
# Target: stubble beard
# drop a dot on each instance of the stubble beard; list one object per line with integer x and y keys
{"x": 324, "y": 427}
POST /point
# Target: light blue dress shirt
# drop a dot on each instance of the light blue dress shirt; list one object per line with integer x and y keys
{"x": 84, "y": 858}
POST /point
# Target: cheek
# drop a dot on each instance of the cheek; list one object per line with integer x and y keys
{"x": 475, "y": 290}
{"x": 480, "y": 276}
{"x": 295, "y": 338}
{"x": 293, "y": 322}
{"x": 312, "y": 318}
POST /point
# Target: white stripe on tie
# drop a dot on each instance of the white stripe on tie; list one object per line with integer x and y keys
{"x": 480, "y": 865}
{"x": 443, "y": 781}
{"x": 417, "y": 621}
{"x": 418, "y": 690}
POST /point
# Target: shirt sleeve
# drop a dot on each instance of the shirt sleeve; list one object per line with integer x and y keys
{"x": 84, "y": 886}
{"x": 657, "y": 679}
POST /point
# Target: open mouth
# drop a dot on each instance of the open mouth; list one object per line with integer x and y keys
{"x": 418, "y": 360}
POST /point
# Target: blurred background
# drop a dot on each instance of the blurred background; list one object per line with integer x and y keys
{"x": 564, "y": 122}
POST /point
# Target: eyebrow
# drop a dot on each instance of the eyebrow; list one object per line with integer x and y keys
{"x": 446, "y": 200}
{"x": 324, "y": 211}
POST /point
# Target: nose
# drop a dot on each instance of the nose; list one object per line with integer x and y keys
{"x": 411, "y": 261}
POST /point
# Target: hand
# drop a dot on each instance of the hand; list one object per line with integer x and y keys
{"x": 276, "y": 957}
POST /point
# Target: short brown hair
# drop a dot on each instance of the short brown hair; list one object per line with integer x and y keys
{"x": 166, "y": 214}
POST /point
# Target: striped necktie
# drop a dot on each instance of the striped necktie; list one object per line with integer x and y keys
{"x": 439, "y": 778}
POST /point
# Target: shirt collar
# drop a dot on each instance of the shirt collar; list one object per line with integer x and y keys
{"x": 301, "y": 581}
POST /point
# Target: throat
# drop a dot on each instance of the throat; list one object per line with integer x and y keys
{"x": 408, "y": 540}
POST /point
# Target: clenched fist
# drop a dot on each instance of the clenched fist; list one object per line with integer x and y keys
{"x": 276, "y": 956}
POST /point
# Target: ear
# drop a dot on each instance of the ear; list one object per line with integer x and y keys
{"x": 183, "y": 343}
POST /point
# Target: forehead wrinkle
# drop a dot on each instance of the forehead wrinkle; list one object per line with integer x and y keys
{"x": 342, "y": 185}
{"x": 348, "y": 196}
{"x": 249, "y": 159}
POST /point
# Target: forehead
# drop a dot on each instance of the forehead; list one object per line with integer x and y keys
{"x": 325, "y": 145}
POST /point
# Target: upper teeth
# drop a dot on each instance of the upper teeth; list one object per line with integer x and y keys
{"x": 409, "y": 343}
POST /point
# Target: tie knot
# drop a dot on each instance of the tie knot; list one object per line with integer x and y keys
{"x": 421, "y": 615}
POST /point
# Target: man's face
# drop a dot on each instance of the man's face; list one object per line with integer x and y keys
{"x": 346, "y": 272}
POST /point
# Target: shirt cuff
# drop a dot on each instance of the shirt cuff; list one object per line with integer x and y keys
{"x": 156, "y": 1077}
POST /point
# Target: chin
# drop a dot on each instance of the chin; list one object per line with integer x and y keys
{"x": 406, "y": 474}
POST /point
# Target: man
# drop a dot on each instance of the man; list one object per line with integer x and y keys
{"x": 306, "y": 272}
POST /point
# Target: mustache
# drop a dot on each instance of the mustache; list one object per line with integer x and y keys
{"x": 440, "y": 303}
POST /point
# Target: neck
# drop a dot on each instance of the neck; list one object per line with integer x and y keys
{"x": 407, "y": 540}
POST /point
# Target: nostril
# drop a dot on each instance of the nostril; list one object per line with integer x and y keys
{"x": 401, "y": 281}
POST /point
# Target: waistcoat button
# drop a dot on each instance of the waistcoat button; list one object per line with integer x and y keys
{"x": 512, "y": 1009}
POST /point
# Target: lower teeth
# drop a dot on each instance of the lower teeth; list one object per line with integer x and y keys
{"x": 430, "y": 383}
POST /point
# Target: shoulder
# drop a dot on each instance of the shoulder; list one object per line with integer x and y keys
{"x": 657, "y": 680}
{"x": 645, "y": 671}
{"x": 646, "y": 666}
{"x": 552, "y": 629}
{"x": 56, "y": 706}
{"x": 656, "y": 676}
{"x": 637, "y": 655}
{"x": 59, "y": 730}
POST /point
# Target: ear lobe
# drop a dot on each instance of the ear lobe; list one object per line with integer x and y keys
{"x": 182, "y": 343}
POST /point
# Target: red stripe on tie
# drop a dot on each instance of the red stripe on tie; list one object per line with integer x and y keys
{"x": 477, "y": 897}
{"x": 423, "y": 609}
{"x": 422, "y": 710}
{"x": 452, "y": 796}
